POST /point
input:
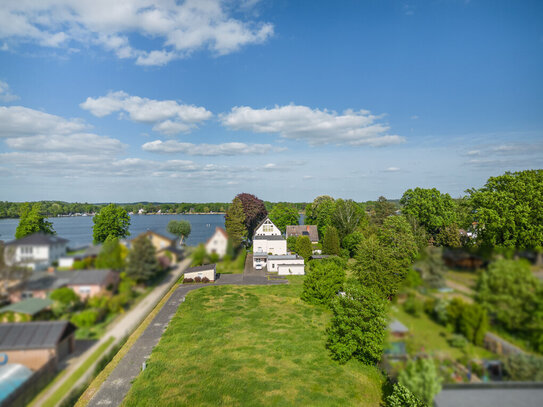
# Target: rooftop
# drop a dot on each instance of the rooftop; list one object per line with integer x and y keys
{"x": 89, "y": 277}
{"x": 284, "y": 257}
{"x": 397, "y": 326}
{"x": 33, "y": 335}
{"x": 30, "y": 306}
{"x": 38, "y": 239}
{"x": 268, "y": 237}
{"x": 205, "y": 267}
{"x": 310, "y": 231}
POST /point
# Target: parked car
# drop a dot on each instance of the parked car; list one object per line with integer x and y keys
{"x": 258, "y": 267}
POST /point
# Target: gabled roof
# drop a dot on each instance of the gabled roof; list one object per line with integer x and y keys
{"x": 33, "y": 335}
{"x": 152, "y": 232}
{"x": 90, "y": 277}
{"x": 310, "y": 231}
{"x": 262, "y": 222}
{"x": 38, "y": 239}
{"x": 205, "y": 267}
{"x": 30, "y": 306}
{"x": 397, "y": 326}
{"x": 44, "y": 281}
{"x": 218, "y": 229}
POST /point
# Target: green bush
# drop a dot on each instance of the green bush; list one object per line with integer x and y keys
{"x": 422, "y": 378}
{"x": 323, "y": 281}
{"x": 524, "y": 367}
{"x": 85, "y": 319}
{"x": 413, "y": 305}
{"x": 403, "y": 397}
{"x": 458, "y": 341}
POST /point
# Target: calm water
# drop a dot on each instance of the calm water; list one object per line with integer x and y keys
{"x": 78, "y": 229}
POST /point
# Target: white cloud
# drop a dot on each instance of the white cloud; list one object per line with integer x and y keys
{"x": 173, "y": 146}
{"x": 179, "y": 27}
{"x": 5, "y": 93}
{"x": 313, "y": 125}
{"x": 170, "y": 116}
{"x": 18, "y": 121}
{"x": 77, "y": 143}
{"x": 392, "y": 169}
{"x": 474, "y": 152}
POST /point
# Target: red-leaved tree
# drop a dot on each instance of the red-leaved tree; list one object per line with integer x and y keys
{"x": 255, "y": 211}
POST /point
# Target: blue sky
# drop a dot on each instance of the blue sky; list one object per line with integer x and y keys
{"x": 201, "y": 100}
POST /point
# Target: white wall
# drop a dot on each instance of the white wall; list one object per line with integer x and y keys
{"x": 291, "y": 270}
{"x": 35, "y": 257}
{"x": 268, "y": 229}
{"x": 278, "y": 247}
{"x": 205, "y": 273}
{"x": 217, "y": 244}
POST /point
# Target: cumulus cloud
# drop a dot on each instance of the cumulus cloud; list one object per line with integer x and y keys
{"x": 18, "y": 121}
{"x": 170, "y": 116}
{"x": 5, "y": 93}
{"x": 173, "y": 146}
{"x": 180, "y": 28}
{"x": 313, "y": 125}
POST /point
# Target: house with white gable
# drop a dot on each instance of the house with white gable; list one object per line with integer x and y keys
{"x": 217, "y": 243}
{"x": 270, "y": 251}
{"x": 36, "y": 251}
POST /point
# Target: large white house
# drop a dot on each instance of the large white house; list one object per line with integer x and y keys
{"x": 270, "y": 251}
{"x": 37, "y": 251}
{"x": 217, "y": 243}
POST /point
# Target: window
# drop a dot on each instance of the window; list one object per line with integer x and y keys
{"x": 267, "y": 228}
{"x": 27, "y": 294}
{"x": 84, "y": 289}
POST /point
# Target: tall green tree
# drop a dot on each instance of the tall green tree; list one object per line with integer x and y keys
{"x": 330, "y": 244}
{"x": 142, "y": 263}
{"x": 303, "y": 247}
{"x": 112, "y": 220}
{"x": 323, "y": 281}
{"x": 397, "y": 235}
{"x": 352, "y": 241}
{"x": 31, "y": 221}
{"x": 358, "y": 326}
{"x": 320, "y": 213}
{"x": 234, "y": 221}
{"x": 382, "y": 209}
{"x": 110, "y": 256}
{"x": 432, "y": 267}
{"x": 347, "y": 217}
{"x": 180, "y": 228}
{"x": 422, "y": 378}
{"x": 283, "y": 215}
{"x": 377, "y": 266}
{"x": 508, "y": 210}
{"x": 431, "y": 208}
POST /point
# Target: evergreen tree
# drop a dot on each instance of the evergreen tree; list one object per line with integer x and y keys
{"x": 422, "y": 378}
{"x": 32, "y": 221}
{"x": 142, "y": 263}
{"x": 234, "y": 221}
{"x": 303, "y": 247}
{"x": 330, "y": 243}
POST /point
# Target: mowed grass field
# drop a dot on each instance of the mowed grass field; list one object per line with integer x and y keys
{"x": 251, "y": 346}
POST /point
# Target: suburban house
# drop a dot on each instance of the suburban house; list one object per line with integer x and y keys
{"x": 164, "y": 246}
{"x": 217, "y": 243}
{"x": 310, "y": 231}
{"x": 207, "y": 270}
{"x": 91, "y": 252}
{"x": 39, "y": 285}
{"x": 37, "y": 251}
{"x": 33, "y": 344}
{"x": 26, "y": 310}
{"x": 85, "y": 283}
{"x": 270, "y": 251}
{"x": 89, "y": 283}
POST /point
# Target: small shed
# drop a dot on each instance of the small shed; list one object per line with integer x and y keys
{"x": 33, "y": 344}
{"x": 397, "y": 329}
{"x": 207, "y": 270}
{"x": 24, "y": 310}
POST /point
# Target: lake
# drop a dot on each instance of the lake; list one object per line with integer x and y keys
{"x": 78, "y": 229}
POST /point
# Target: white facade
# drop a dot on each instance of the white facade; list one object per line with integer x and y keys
{"x": 217, "y": 243}
{"x": 66, "y": 262}
{"x": 286, "y": 265}
{"x": 209, "y": 273}
{"x": 267, "y": 240}
{"x": 36, "y": 256}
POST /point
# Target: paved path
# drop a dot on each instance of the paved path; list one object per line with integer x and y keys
{"x": 120, "y": 328}
{"x": 116, "y": 387}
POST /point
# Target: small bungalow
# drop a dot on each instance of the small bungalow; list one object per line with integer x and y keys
{"x": 36, "y": 251}
{"x": 285, "y": 265}
{"x": 310, "y": 231}
{"x": 207, "y": 270}
{"x": 26, "y": 310}
{"x": 397, "y": 329}
{"x": 39, "y": 285}
{"x": 218, "y": 243}
{"x": 89, "y": 283}
{"x": 33, "y": 344}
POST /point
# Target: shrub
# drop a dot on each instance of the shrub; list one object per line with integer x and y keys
{"x": 85, "y": 319}
{"x": 324, "y": 279}
{"x": 422, "y": 378}
{"x": 188, "y": 280}
{"x": 524, "y": 367}
{"x": 205, "y": 280}
{"x": 403, "y": 397}
{"x": 214, "y": 258}
{"x": 413, "y": 305}
{"x": 197, "y": 279}
{"x": 458, "y": 341}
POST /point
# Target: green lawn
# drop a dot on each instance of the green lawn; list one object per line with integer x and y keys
{"x": 250, "y": 346}
{"x": 431, "y": 337}
{"x": 235, "y": 266}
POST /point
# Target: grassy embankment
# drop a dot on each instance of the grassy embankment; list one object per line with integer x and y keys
{"x": 251, "y": 346}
